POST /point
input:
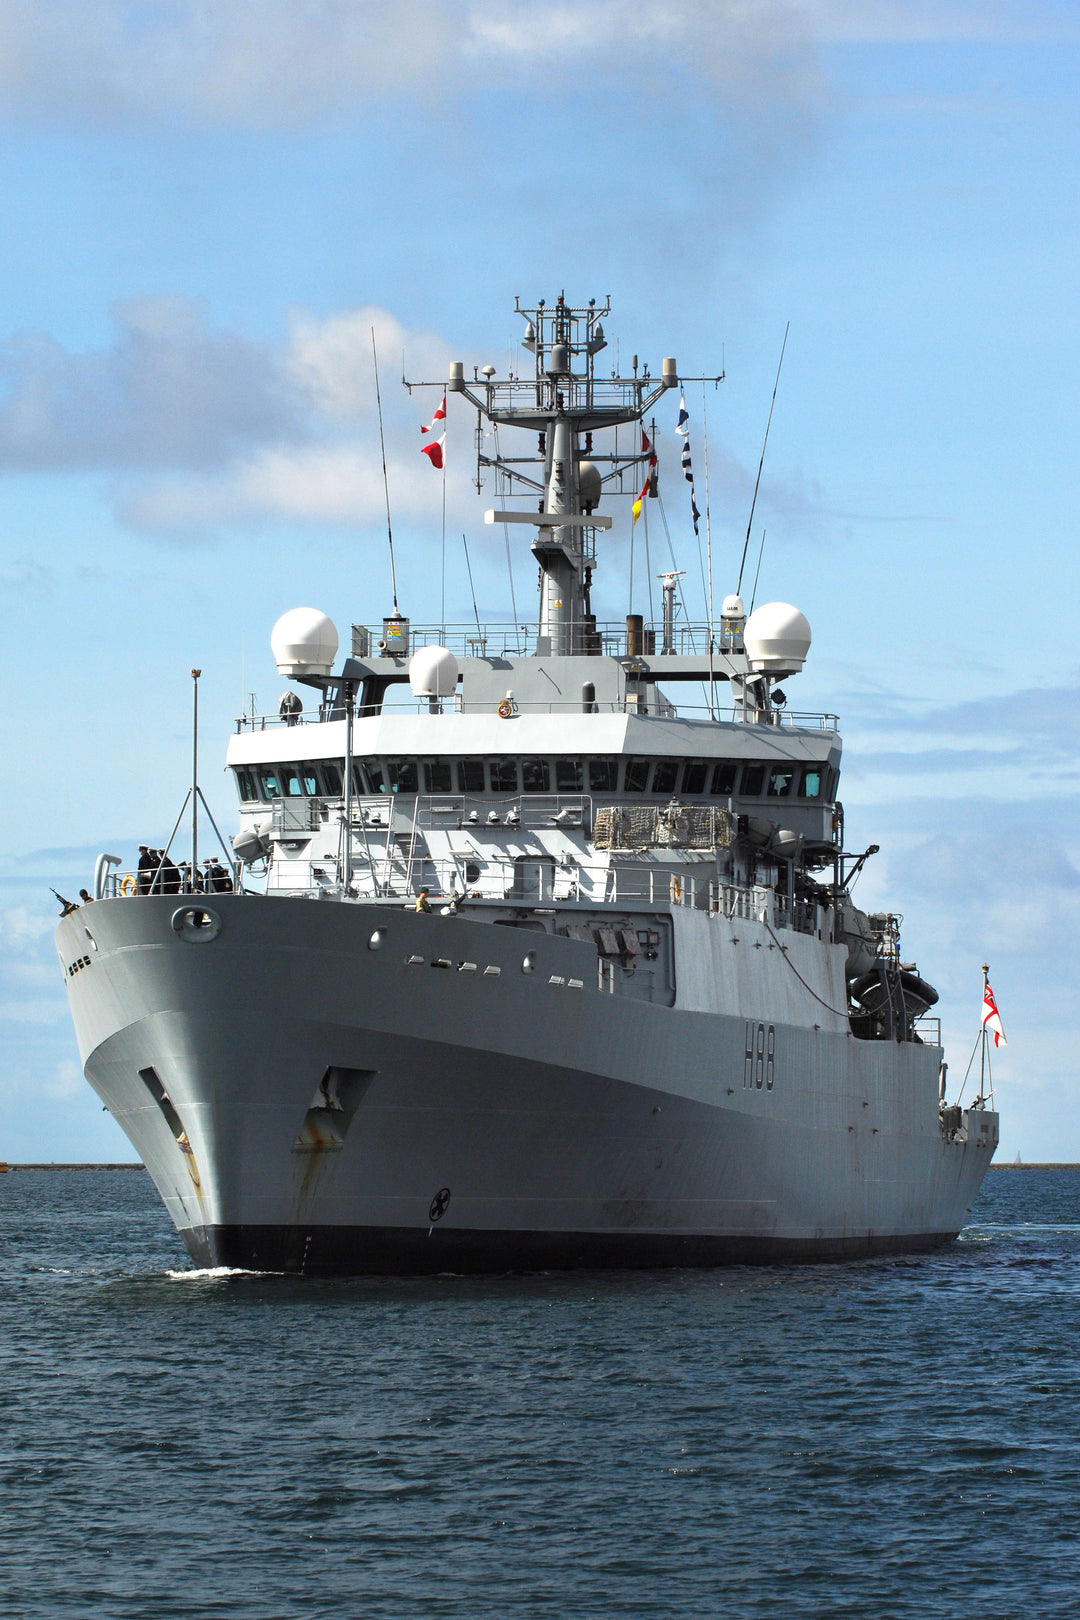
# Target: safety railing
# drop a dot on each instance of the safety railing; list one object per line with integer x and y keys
{"x": 656, "y": 705}
{"x": 399, "y": 873}
{"x": 170, "y": 877}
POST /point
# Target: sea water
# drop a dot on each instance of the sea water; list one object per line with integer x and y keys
{"x": 888, "y": 1438}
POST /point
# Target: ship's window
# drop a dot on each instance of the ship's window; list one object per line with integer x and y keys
{"x": 300, "y": 781}
{"x": 753, "y": 781}
{"x": 268, "y": 782}
{"x": 535, "y": 776}
{"x": 437, "y": 776}
{"x": 568, "y": 776}
{"x": 811, "y": 784}
{"x": 504, "y": 777}
{"x": 665, "y": 775}
{"x": 780, "y": 780}
{"x": 695, "y": 772}
{"x": 368, "y": 776}
{"x": 470, "y": 776}
{"x": 332, "y": 772}
{"x": 723, "y": 778}
{"x": 290, "y": 781}
{"x": 245, "y": 785}
{"x": 402, "y": 774}
{"x": 603, "y": 775}
{"x": 637, "y": 774}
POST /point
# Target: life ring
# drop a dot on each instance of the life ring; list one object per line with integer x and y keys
{"x": 675, "y": 889}
{"x": 506, "y": 709}
{"x": 128, "y": 884}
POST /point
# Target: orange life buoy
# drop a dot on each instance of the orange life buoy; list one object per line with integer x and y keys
{"x": 506, "y": 709}
{"x": 676, "y": 889}
{"x": 128, "y": 885}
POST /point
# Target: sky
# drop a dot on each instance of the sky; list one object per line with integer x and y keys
{"x": 210, "y": 204}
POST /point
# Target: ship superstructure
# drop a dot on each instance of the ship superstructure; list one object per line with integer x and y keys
{"x": 528, "y": 961}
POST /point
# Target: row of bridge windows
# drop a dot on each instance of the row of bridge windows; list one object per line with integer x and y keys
{"x": 690, "y": 778}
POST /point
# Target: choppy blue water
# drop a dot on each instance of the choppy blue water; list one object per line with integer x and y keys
{"x": 895, "y": 1438}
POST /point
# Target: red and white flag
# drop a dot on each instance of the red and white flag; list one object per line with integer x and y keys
{"x": 440, "y": 416}
{"x": 991, "y": 1017}
{"x": 434, "y": 451}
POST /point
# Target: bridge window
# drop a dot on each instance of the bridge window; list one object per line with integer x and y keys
{"x": 753, "y": 781}
{"x": 368, "y": 777}
{"x": 245, "y": 786}
{"x": 504, "y": 776}
{"x": 332, "y": 772}
{"x": 603, "y": 776}
{"x": 665, "y": 775}
{"x": 813, "y": 780}
{"x": 637, "y": 774}
{"x": 437, "y": 776}
{"x": 470, "y": 775}
{"x": 780, "y": 780}
{"x": 269, "y": 784}
{"x": 723, "y": 778}
{"x": 298, "y": 781}
{"x": 568, "y": 776}
{"x": 535, "y": 776}
{"x": 695, "y": 772}
{"x": 402, "y": 774}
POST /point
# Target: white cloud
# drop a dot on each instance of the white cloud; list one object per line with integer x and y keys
{"x": 278, "y": 63}
{"x": 202, "y": 427}
{"x": 67, "y": 1080}
{"x": 20, "y": 926}
{"x": 170, "y": 390}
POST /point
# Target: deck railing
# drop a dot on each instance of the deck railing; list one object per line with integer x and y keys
{"x": 664, "y": 709}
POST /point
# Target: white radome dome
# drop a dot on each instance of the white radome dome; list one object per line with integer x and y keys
{"x": 733, "y": 608}
{"x": 304, "y": 642}
{"x": 433, "y": 672}
{"x": 777, "y": 639}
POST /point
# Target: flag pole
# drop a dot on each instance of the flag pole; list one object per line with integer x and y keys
{"x": 982, "y": 1054}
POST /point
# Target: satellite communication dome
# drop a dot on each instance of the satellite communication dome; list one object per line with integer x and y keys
{"x": 433, "y": 672}
{"x": 733, "y": 608}
{"x": 304, "y": 642}
{"x": 777, "y": 639}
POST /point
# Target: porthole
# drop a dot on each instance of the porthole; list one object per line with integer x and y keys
{"x": 528, "y": 962}
{"x": 377, "y": 940}
{"x": 196, "y": 924}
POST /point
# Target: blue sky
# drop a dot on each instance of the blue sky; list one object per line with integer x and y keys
{"x": 207, "y": 207}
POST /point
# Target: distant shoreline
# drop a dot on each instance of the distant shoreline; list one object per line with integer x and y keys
{"x": 126, "y": 1166}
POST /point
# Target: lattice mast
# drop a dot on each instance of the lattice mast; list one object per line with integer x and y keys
{"x": 565, "y": 402}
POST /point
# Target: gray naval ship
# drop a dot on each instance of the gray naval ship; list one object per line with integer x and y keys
{"x": 526, "y": 963}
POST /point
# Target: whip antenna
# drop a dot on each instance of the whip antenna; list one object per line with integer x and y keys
{"x": 761, "y": 463}
{"x": 385, "y": 479}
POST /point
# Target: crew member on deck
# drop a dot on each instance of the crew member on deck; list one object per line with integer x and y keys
{"x": 145, "y": 868}
{"x": 422, "y": 901}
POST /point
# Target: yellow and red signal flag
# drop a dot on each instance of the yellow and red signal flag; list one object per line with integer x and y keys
{"x": 646, "y": 450}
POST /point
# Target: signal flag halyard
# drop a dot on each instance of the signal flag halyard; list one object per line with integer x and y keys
{"x": 440, "y": 416}
{"x": 991, "y": 1018}
{"x": 687, "y": 467}
{"x": 646, "y": 449}
{"x": 434, "y": 451}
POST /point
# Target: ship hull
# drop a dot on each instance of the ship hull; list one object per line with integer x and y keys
{"x": 472, "y": 1119}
